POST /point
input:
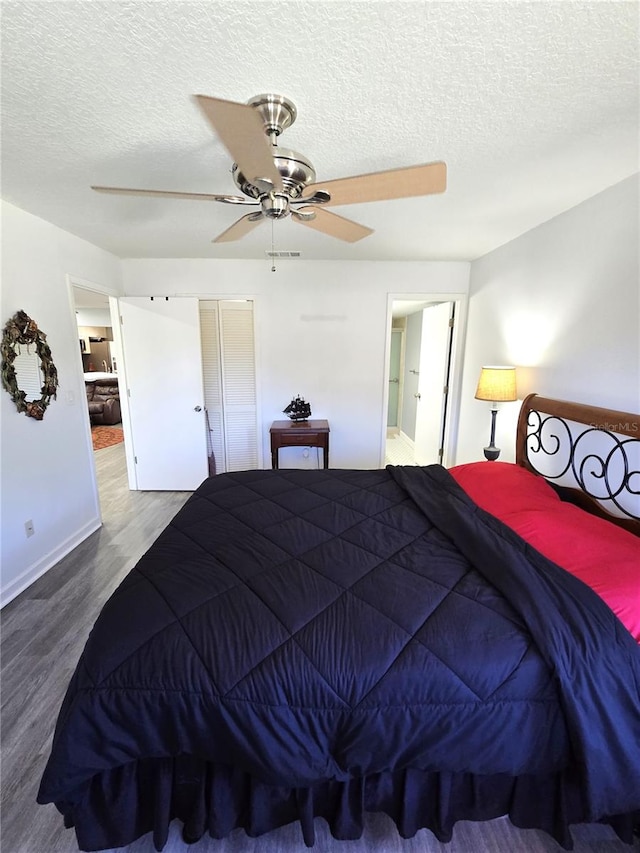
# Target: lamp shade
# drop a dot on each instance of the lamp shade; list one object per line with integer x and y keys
{"x": 497, "y": 384}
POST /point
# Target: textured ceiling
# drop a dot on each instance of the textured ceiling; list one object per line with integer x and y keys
{"x": 533, "y": 106}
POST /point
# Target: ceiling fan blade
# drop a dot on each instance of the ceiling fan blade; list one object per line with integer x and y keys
{"x": 241, "y": 131}
{"x": 331, "y": 224}
{"x": 240, "y": 227}
{"x": 380, "y": 186}
{"x": 227, "y": 199}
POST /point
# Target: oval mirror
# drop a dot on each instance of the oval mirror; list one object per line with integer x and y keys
{"x": 28, "y": 371}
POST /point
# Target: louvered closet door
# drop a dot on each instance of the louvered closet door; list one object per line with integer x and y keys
{"x": 237, "y": 349}
{"x": 212, "y": 379}
{"x": 228, "y": 354}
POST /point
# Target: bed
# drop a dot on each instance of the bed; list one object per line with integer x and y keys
{"x": 299, "y": 643}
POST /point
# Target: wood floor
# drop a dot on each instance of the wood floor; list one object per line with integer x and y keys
{"x": 43, "y": 633}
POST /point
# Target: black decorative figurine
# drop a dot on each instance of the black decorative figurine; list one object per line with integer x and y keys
{"x": 298, "y": 410}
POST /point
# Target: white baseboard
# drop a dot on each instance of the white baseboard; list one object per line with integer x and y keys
{"x": 24, "y": 580}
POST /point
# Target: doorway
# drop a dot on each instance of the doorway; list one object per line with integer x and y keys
{"x": 151, "y": 367}
{"x": 418, "y": 426}
{"x": 93, "y": 331}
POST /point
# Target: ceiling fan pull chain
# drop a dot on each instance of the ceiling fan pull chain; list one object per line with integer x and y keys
{"x": 273, "y": 254}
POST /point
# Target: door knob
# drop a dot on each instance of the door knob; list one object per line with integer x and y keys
{"x": 197, "y": 409}
{"x": 417, "y": 396}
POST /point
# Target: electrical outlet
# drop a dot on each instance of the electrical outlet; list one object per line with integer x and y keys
{"x": 28, "y": 528}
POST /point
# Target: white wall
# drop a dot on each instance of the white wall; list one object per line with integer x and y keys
{"x": 321, "y": 330}
{"x": 46, "y": 466}
{"x": 562, "y": 303}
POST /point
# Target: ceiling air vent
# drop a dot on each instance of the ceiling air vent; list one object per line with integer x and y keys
{"x": 283, "y": 254}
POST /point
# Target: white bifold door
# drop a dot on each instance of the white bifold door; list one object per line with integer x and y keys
{"x": 163, "y": 373}
{"x": 228, "y": 357}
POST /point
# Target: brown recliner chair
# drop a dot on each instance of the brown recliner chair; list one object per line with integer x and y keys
{"x": 103, "y": 397}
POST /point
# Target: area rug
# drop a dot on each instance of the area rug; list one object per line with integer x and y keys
{"x": 106, "y": 436}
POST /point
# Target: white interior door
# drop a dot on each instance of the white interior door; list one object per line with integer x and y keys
{"x": 163, "y": 373}
{"x": 434, "y": 361}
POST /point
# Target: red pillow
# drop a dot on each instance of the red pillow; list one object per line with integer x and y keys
{"x": 604, "y": 556}
{"x": 504, "y": 487}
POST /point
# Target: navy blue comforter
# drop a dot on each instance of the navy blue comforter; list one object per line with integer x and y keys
{"x": 329, "y": 628}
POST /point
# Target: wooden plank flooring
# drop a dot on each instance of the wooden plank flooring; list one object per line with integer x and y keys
{"x": 43, "y": 632}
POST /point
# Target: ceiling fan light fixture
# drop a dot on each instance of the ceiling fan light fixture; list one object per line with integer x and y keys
{"x": 275, "y": 205}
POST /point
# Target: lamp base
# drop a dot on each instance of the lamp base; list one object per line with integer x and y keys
{"x": 491, "y": 453}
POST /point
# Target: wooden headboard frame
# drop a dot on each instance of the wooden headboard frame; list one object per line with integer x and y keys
{"x": 624, "y": 428}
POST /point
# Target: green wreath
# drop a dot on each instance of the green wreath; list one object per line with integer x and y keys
{"x": 22, "y": 330}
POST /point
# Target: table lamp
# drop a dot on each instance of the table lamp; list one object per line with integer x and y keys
{"x": 498, "y": 385}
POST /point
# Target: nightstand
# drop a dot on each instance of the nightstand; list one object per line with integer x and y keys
{"x": 299, "y": 434}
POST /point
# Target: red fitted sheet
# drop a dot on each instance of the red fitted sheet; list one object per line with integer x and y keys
{"x": 604, "y": 556}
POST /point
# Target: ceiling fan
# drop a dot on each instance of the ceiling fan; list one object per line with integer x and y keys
{"x": 281, "y": 182}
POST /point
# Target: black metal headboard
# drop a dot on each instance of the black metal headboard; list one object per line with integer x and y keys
{"x": 591, "y": 455}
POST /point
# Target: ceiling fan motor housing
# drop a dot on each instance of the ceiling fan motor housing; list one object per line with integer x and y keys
{"x": 295, "y": 170}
